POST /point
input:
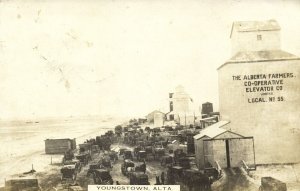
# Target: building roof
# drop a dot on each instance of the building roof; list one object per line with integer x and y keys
{"x": 208, "y": 118}
{"x": 179, "y": 88}
{"x": 260, "y": 56}
{"x": 22, "y": 176}
{"x": 155, "y": 111}
{"x": 59, "y": 139}
{"x": 250, "y": 26}
{"x": 213, "y": 130}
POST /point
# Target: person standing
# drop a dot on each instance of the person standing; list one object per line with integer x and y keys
{"x": 162, "y": 177}
{"x": 157, "y": 180}
{"x": 170, "y": 177}
{"x": 144, "y": 167}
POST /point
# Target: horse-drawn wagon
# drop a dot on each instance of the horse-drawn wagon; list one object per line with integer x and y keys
{"x": 139, "y": 178}
{"x": 102, "y": 176}
{"x": 68, "y": 173}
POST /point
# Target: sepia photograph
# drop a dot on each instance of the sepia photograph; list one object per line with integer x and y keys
{"x": 150, "y": 95}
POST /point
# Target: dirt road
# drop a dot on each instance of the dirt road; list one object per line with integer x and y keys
{"x": 51, "y": 177}
{"x": 234, "y": 179}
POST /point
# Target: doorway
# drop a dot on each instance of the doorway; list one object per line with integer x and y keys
{"x": 227, "y": 153}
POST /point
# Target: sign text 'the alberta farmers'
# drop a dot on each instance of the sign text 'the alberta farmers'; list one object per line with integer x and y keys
{"x": 264, "y": 87}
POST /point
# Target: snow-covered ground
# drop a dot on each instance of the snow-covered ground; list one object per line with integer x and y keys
{"x": 289, "y": 174}
{"x": 22, "y": 144}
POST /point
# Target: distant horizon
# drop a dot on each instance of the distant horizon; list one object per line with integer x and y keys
{"x": 44, "y": 118}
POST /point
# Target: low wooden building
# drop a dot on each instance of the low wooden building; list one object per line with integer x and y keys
{"x": 22, "y": 183}
{"x": 208, "y": 121}
{"x": 217, "y": 145}
{"x": 59, "y": 146}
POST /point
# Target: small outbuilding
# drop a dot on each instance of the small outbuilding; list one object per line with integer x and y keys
{"x": 158, "y": 115}
{"x": 59, "y": 146}
{"x": 207, "y": 108}
{"x": 215, "y": 144}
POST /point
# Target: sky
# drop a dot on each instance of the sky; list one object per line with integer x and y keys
{"x": 116, "y": 57}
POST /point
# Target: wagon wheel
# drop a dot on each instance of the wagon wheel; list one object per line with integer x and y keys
{"x": 74, "y": 177}
{"x": 176, "y": 177}
{"x": 123, "y": 171}
{"x": 79, "y": 168}
{"x": 88, "y": 174}
{"x": 90, "y": 181}
{"x": 154, "y": 155}
{"x": 100, "y": 181}
{"x": 131, "y": 182}
{"x": 95, "y": 178}
{"x": 106, "y": 182}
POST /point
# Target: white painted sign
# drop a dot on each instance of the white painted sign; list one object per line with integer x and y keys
{"x": 264, "y": 87}
{"x": 134, "y": 187}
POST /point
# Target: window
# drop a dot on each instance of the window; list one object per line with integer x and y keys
{"x": 171, "y": 106}
{"x": 171, "y": 117}
{"x": 259, "y": 37}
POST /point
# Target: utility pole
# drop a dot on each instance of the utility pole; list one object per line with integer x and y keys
{"x": 194, "y": 118}
{"x": 185, "y": 120}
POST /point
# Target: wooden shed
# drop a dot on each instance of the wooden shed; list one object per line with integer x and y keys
{"x": 59, "y": 146}
{"x": 228, "y": 149}
{"x": 22, "y": 183}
